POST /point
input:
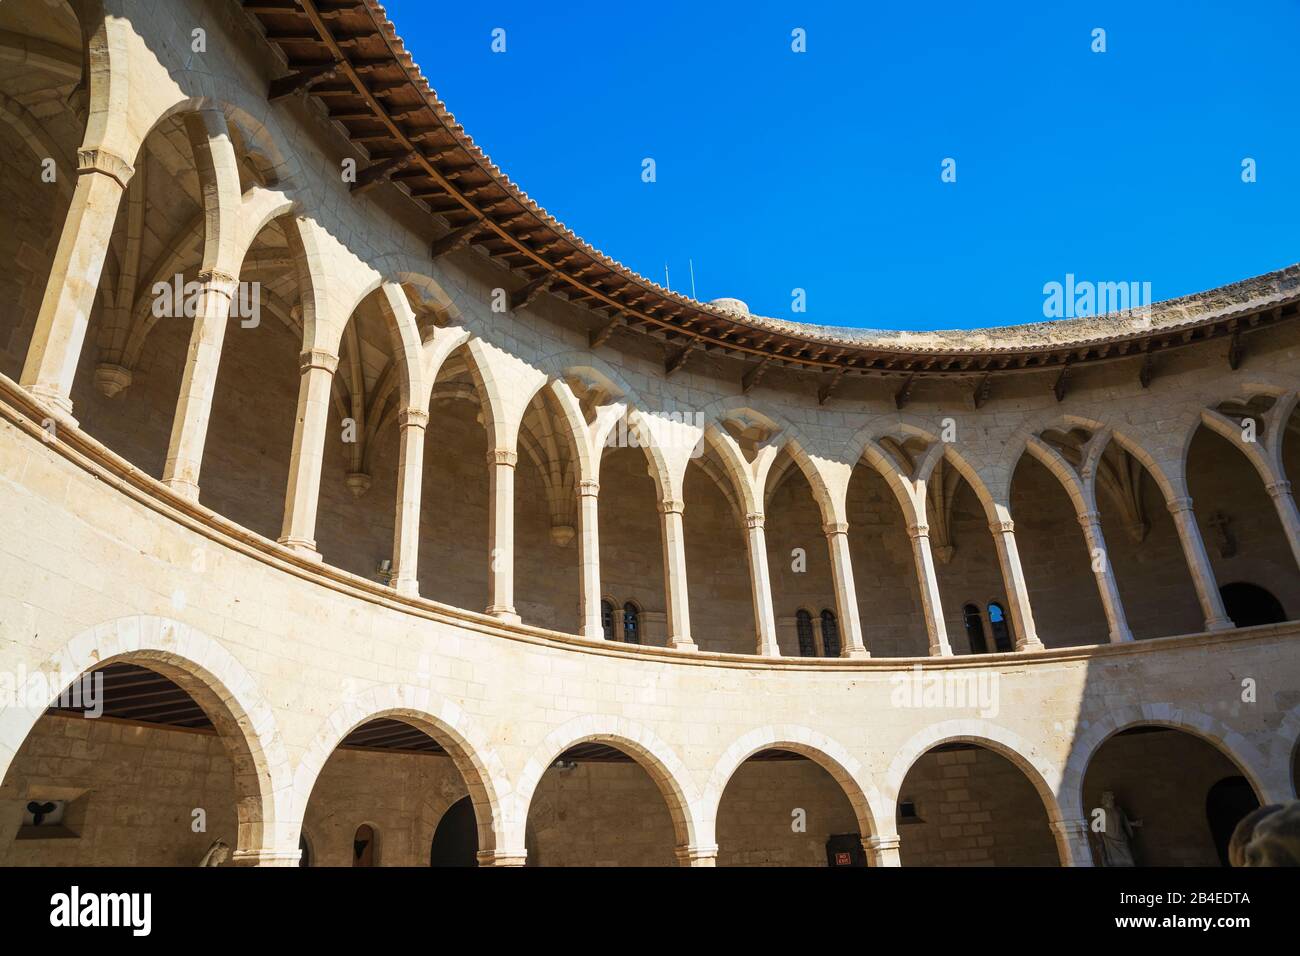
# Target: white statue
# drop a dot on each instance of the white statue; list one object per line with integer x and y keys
{"x": 217, "y": 854}
{"x": 1115, "y": 847}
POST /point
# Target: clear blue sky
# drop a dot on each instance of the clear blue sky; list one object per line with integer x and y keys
{"x": 1118, "y": 166}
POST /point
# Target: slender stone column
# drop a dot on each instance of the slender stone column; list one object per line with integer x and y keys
{"x": 299, "y": 532}
{"x": 928, "y": 581}
{"x": 199, "y": 382}
{"x": 1284, "y": 501}
{"x": 501, "y": 534}
{"x": 674, "y": 543}
{"x": 1116, "y": 620}
{"x": 1013, "y": 579}
{"x": 1072, "y": 842}
{"x": 1198, "y": 562}
{"x": 760, "y": 581}
{"x": 882, "y": 850}
{"x": 697, "y": 855}
{"x": 589, "y": 558}
{"x": 74, "y": 278}
{"x": 846, "y": 592}
{"x": 413, "y": 423}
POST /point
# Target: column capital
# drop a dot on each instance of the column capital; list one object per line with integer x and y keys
{"x": 588, "y": 488}
{"x": 1179, "y": 505}
{"x": 702, "y": 855}
{"x": 831, "y": 528}
{"x": 755, "y": 519}
{"x": 318, "y": 358}
{"x": 881, "y": 842}
{"x": 502, "y": 456}
{"x": 918, "y": 531}
{"x": 1278, "y": 489}
{"x": 671, "y": 506}
{"x": 100, "y": 160}
{"x": 1088, "y": 519}
{"x": 413, "y": 418}
{"x": 1006, "y": 526}
{"x": 215, "y": 280}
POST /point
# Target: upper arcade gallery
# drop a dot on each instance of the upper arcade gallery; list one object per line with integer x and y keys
{"x": 262, "y": 362}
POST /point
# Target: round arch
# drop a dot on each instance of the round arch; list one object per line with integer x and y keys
{"x": 847, "y": 771}
{"x": 663, "y": 765}
{"x": 219, "y": 684}
{"x": 442, "y": 720}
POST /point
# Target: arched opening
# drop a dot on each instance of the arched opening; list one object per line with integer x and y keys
{"x": 1249, "y": 604}
{"x": 607, "y": 619}
{"x": 963, "y": 804}
{"x": 365, "y": 846}
{"x": 830, "y": 634}
{"x": 631, "y": 623}
{"x": 1154, "y": 788}
{"x": 631, "y": 545}
{"x": 1227, "y": 803}
{"x": 717, "y": 561}
{"x": 781, "y": 808}
{"x": 973, "y": 623}
{"x": 455, "y": 842}
{"x": 804, "y": 630}
{"x": 1054, "y": 555}
{"x": 391, "y": 782}
{"x": 128, "y": 768}
{"x": 798, "y": 560}
{"x": 598, "y": 806}
{"x": 454, "y": 513}
{"x": 41, "y": 127}
{"x": 1000, "y": 628}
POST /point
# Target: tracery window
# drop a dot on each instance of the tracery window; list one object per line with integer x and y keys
{"x": 607, "y": 619}
{"x": 631, "y": 623}
{"x": 998, "y": 623}
{"x": 830, "y": 634}
{"x": 803, "y": 624}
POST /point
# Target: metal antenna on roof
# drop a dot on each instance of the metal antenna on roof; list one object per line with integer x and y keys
{"x": 692, "y": 262}
{"x": 667, "y": 282}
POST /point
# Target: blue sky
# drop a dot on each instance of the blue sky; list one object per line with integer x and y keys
{"x": 1116, "y": 166}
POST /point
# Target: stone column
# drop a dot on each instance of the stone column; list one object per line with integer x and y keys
{"x": 928, "y": 581}
{"x": 1198, "y": 562}
{"x": 1013, "y": 579}
{"x": 1072, "y": 842}
{"x": 589, "y": 559}
{"x": 303, "y": 495}
{"x": 760, "y": 582}
{"x": 1284, "y": 501}
{"x": 198, "y": 384}
{"x": 697, "y": 855}
{"x": 413, "y": 423}
{"x": 501, "y": 534}
{"x": 674, "y": 544}
{"x": 882, "y": 850}
{"x": 846, "y": 592}
{"x": 1090, "y": 521}
{"x": 74, "y": 278}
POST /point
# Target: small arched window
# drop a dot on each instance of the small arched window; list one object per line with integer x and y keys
{"x": 631, "y": 623}
{"x": 998, "y": 623}
{"x": 804, "y": 628}
{"x": 830, "y": 634}
{"x": 970, "y": 616}
{"x": 363, "y": 846}
{"x": 607, "y": 619}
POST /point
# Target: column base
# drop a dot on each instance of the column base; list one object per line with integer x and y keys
{"x": 855, "y": 653}
{"x": 502, "y": 857}
{"x": 682, "y": 644}
{"x": 1121, "y": 637}
{"x": 940, "y": 650}
{"x": 593, "y": 633}
{"x": 302, "y": 546}
{"x": 1030, "y": 646}
{"x": 504, "y": 613}
{"x": 697, "y": 855}
{"x": 1219, "y": 624}
{"x": 57, "y": 403}
{"x": 187, "y": 489}
{"x": 407, "y": 587}
{"x": 267, "y": 857}
{"x": 769, "y": 650}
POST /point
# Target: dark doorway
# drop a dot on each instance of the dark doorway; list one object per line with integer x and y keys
{"x": 1250, "y": 604}
{"x": 845, "y": 849}
{"x": 1227, "y": 802}
{"x": 455, "y": 842}
{"x": 363, "y": 846}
